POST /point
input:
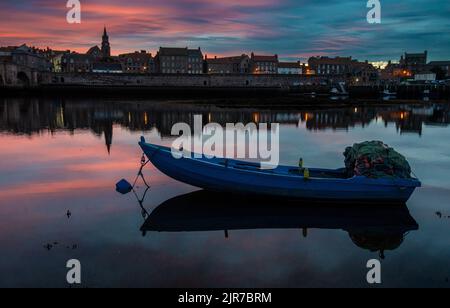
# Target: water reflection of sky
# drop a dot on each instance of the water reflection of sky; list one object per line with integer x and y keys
{"x": 43, "y": 175}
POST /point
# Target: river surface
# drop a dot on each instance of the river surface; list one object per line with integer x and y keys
{"x": 60, "y": 157}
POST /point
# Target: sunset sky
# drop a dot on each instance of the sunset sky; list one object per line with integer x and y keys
{"x": 291, "y": 28}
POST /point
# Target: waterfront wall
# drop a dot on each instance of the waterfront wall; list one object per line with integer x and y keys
{"x": 16, "y": 77}
{"x": 282, "y": 82}
{"x": 229, "y": 85}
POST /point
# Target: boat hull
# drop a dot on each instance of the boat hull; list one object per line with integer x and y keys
{"x": 231, "y": 177}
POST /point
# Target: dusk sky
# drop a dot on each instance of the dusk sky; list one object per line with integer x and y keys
{"x": 294, "y": 29}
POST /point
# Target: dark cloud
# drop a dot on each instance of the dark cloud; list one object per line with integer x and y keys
{"x": 291, "y": 28}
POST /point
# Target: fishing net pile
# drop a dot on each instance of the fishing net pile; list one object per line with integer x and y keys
{"x": 374, "y": 159}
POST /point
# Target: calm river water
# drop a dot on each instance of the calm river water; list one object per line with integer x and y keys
{"x": 66, "y": 155}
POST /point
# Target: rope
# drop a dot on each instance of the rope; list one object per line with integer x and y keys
{"x": 144, "y": 162}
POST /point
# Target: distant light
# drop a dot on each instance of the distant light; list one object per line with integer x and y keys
{"x": 380, "y": 64}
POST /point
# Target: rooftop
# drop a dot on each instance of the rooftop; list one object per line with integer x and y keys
{"x": 77, "y": 56}
{"x": 94, "y": 49}
{"x": 226, "y": 60}
{"x": 439, "y": 63}
{"x": 417, "y": 54}
{"x": 173, "y": 51}
{"x": 8, "y": 49}
{"x": 195, "y": 52}
{"x": 263, "y": 58}
{"x": 328, "y": 60}
{"x": 136, "y": 55}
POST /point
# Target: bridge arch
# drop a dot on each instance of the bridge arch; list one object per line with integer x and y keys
{"x": 23, "y": 79}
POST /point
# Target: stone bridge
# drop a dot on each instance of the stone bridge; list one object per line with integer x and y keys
{"x": 18, "y": 76}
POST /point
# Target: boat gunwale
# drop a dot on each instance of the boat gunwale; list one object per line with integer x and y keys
{"x": 400, "y": 182}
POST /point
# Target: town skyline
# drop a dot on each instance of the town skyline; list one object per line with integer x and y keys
{"x": 240, "y": 28}
{"x": 379, "y": 64}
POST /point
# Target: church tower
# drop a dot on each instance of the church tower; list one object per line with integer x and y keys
{"x": 106, "y": 48}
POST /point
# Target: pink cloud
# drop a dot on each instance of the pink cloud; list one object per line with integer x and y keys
{"x": 131, "y": 24}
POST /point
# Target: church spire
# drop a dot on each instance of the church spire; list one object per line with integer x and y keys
{"x": 106, "y": 48}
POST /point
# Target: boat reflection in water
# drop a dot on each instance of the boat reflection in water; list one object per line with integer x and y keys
{"x": 376, "y": 228}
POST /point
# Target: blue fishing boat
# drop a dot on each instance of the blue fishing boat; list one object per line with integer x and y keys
{"x": 228, "y": 175}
